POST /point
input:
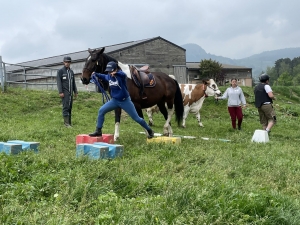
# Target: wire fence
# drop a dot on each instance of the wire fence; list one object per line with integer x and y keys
{"x": 18, "y": 75}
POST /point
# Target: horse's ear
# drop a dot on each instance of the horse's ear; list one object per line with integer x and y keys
{"x": 90, "y": 51}
{"x": 102, "y": 50}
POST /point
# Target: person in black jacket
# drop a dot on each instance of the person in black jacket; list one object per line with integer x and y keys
{"x": 66, "y": 87}
{"x": 263, "y": 101}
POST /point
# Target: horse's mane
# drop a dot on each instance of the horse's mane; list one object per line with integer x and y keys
{"x": 109, "y": 58}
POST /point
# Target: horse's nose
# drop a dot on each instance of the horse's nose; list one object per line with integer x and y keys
{"x": 84, "y": 80}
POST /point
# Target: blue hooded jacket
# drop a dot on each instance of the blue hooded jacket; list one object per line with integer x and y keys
{"x": 117, "y": 84}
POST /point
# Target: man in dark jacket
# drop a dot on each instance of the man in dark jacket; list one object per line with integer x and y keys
{"x": 66, "y": 87}
{"x": 263, "y": 101}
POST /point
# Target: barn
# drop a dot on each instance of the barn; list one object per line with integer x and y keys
{"x": 242, "y": 74}
{"x": 159, "y": 53}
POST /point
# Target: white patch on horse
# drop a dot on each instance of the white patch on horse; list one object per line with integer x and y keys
{"x": 125, "y": 69}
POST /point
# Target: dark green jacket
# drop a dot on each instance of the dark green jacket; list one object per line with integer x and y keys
{"x": 66, "y": 81}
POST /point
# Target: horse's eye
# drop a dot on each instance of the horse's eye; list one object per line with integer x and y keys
{"x": 214, "y": 86}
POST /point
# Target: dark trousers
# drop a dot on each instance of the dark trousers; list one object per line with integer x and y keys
{"x": 236, "y": 113}
{"x": 67, "y": 101}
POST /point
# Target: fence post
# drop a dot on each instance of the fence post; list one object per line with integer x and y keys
{"x": 2, "y": 74}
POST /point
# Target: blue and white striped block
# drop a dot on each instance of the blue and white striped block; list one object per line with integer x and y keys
{"x": 92, "y": 151}
{"x": 114, "y": 149}
{"x": 10, "y": 148}
{"x": 26, "y": 145}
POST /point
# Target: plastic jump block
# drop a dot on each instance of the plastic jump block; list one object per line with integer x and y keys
{"x": 10, "y": 148}
{"x": 167, "y": 140}
{"x": 85, "y": 138}
{"x": 114, "y": 149}
{"x": 27, "y": 145}
{"x": 92, "y": 151}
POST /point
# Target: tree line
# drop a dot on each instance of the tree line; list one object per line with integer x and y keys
{"x": 286, "y": 72}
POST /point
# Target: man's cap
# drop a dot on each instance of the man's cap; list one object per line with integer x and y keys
{"x": 111, "y": 66}
{"x": 67, "y": 59}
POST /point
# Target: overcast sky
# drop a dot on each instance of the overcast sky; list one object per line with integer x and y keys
{"x": 34, "y": 29}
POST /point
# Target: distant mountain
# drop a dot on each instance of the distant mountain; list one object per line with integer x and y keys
{"x": 258, "y": 62}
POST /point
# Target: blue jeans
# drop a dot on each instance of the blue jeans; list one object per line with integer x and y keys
{"x": 126, "y": 105}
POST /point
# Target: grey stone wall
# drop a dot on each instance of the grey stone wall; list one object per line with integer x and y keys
{"x": 159, "y": 54}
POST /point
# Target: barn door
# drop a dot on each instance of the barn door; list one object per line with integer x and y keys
{"x": 180, "y": 73}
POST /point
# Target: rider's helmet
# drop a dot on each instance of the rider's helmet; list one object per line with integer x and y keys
{"x": 111, "y": 66}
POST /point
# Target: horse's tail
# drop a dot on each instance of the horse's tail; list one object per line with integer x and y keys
{"x": 178, "y": 102}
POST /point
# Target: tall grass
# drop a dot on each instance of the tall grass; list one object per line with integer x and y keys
{"x": 196, "y": 182}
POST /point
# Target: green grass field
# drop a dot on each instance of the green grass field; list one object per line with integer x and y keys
{"x": 196, "y": 182}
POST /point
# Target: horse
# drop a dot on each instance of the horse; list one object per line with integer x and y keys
{"x": 165, "y": 93}
{"x": 193, "y": 98}
{"x": 154, "y": 109}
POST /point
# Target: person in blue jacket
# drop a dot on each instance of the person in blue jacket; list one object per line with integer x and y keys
{"x": 120, "y": 98}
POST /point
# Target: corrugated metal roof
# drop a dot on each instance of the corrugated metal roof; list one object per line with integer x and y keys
{"x": 195, "y": 65}
{"x": 82, "y": 55}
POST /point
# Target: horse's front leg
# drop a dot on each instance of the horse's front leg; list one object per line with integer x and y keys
{"x": 169, "y": 108}
{"x": 199, "y": 119}
{"x": 185, "y": 115}
{"x": 117, "y": 123}
{"x": 150, "y": 114}
{"x": 168, "y": 124}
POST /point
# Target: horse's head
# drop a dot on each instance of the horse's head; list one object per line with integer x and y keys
{"x": 95, "y": 62}
{"x": 212, "y": 88}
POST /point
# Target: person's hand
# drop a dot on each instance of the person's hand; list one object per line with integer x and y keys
{"x": 75, "y": 95}
{"x": 244, "y": 106}
{"x": 61, "y": 95}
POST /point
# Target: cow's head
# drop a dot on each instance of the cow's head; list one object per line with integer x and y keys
{"x": 212, "y": 88}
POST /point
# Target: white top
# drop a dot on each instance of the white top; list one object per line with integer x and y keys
{"x": 235, "y": 96}
{"x": 268, "y": 89}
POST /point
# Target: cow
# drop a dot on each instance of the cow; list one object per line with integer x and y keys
{"x": 193, "y": 97}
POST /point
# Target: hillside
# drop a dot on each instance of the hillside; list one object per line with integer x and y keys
{"x": 258, "y": 62}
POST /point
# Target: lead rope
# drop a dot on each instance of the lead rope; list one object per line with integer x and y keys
{"x": 105, "y": 97}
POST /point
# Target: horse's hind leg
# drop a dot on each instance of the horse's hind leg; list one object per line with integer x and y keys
{"x": 117, "y": 123}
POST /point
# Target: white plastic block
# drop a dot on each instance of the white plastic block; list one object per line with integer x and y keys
{"x": 260, "y": 136}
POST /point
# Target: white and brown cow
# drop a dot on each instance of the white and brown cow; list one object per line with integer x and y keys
{"x": 193, "y": 97}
